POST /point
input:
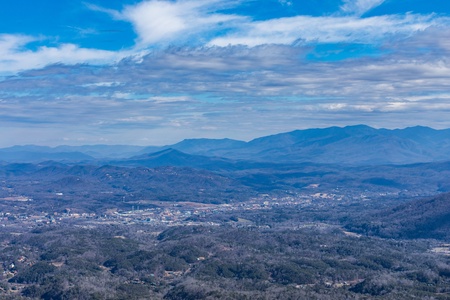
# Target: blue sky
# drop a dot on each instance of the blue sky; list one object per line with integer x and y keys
{"x": 156, "y": 72}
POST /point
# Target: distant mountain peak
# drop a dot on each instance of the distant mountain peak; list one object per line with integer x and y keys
{"x": 352, "y": 144}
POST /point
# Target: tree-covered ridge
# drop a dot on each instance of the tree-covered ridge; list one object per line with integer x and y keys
{"x": 284, "y": 259}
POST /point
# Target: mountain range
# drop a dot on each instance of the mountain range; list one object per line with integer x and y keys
{"x": 351, "y": 145}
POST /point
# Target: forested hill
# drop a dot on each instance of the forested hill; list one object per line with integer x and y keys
{"x": 424, "y": 218}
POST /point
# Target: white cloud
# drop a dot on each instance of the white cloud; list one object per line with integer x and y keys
{"x": 9, "y": 42}
{"x": 359, "y": 7}
{"x": 196, "y": 22}
{"x": 156, "y": 21}
{"x": 329, "y": 29}
{"x": 15, "y": 57}
{"x": 115, "y": 14}
{"x": 285, "y": 2}
{"x": 159, "y": 22}
{"x": 264, "y": 85}
{"x": 122, "y": 95}
{"x": 169, "y": 99}
{"x": 102, "y": 84}
{"x": 139, "y": 119}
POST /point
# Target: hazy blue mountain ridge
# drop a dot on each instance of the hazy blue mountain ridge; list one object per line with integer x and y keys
{"x": 354, "y": 145}
{"x": 173, "y": 157}
{"x": 203, "y": 146}
{"x": 350, "y": 145}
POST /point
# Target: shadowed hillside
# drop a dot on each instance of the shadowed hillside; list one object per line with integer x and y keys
{"x": 424, "y": 218}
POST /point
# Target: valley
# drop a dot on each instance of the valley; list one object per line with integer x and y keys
{"x": 177, "y": 225}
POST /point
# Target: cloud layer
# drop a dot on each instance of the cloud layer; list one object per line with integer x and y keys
{"x": 201, "y": 68}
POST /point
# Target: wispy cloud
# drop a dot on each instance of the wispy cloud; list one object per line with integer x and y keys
{"x": 198, "y": 71}
{"x": 241, "y": 92}
{"x": 359, "y": 7}
{"x": 199, "y": 23}
{"x": 14, "y": 56}
{"x": 285, "y": 2}
{"x": 330, "y": 29}
{"x": 163, "y": 22}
